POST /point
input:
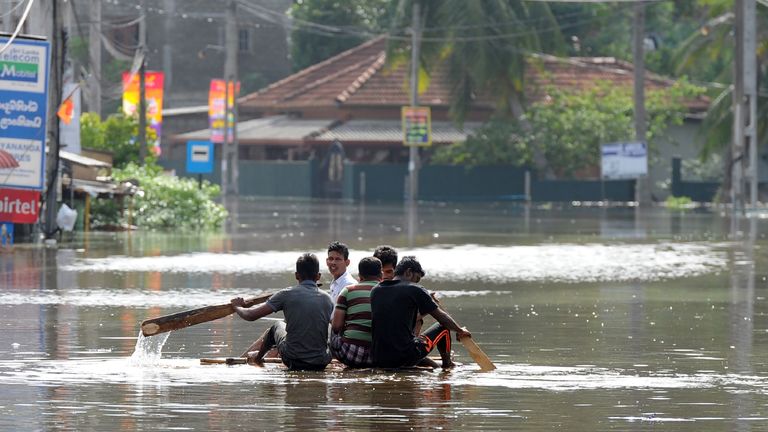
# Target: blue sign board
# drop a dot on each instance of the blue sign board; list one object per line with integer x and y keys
{"x": 24, "y": 70}
{"x": 199, "y": 157}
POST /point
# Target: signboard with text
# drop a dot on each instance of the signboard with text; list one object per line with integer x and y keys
{"x": 199, "y": 157}
{"x": 624, "y": 160}
{"x": 19, "y": 205}
{"x": 417, "y": 126}
{"x": 24, "y": 70}
{"x": 217, "y": 109}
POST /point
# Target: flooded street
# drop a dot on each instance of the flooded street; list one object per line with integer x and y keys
{"x": 598, "y": 319}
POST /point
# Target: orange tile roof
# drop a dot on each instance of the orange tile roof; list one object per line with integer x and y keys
{"x": 359, "y": 77}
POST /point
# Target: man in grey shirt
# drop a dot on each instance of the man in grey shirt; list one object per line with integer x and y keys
{"x": 302, "y": 340}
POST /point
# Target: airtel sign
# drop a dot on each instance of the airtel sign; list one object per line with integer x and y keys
{"x": 19, "y": 205}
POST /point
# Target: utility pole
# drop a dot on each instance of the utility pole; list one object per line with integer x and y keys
{"x": 413, "y": 161}
{"x": 94, "y": 57}
{"x": 229, "y": 150}
{"x": 642, "y": 184}
{"x": 143, "y": 84}
{"x": 744, "y": 146}
{"x": 54, "y": 100}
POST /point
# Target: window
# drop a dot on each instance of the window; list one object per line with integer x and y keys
{"x": 244, "y": 40}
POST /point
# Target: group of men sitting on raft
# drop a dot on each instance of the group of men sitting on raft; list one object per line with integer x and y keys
{"x": 375, "y": 322}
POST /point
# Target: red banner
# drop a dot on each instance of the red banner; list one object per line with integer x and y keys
{"x": 19, "y": 205}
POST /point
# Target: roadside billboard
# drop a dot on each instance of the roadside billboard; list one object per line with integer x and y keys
{"x": 624, "y": 160}
{"x": 24, "y": 70}
{"x": 19, "y": 205}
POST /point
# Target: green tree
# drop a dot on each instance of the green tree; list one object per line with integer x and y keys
{"x": 116, "y": 134}
{"x": 324, "y": 28}
{"x": 484, "y": 46}
{"x": 570, "y": 127}
{"x": 712, "y": 45}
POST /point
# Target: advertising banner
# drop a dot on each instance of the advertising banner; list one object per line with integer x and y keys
{"x": 24, "y": 70}
{"x": 624, "y": 160}
{"x": 417, "y": 126}
{"x": 19, "y": 205}
{"x": 153, "y": 87}
{"x": 217, "y": 110}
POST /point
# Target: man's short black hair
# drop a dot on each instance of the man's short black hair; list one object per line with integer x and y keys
{"x": 307, "y": 266}
{"x": 408, "y": 262}
{"x": 387, "y": 254}
{"x": 339, "y": 247}
{"x": 369, "y": 267}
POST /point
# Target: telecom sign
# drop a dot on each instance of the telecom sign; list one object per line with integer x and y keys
{"x": 23, "y": 109}
{"x": 417, "y": 126}
{"x": 19, "y": 205}
{"x": 199, "y": 157}
{"x": 624, "y": 160}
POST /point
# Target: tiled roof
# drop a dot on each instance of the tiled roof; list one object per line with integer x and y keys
{"x": 281, "y": 128}
{"x": 360, "y": 77}
{"x": 387, "y": 131}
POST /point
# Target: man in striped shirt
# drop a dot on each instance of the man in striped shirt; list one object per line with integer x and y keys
{"x": 351, "y": 322}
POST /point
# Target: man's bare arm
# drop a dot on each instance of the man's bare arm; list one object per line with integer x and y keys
{"x": 250, "y": 314}
{"x": 337, "y": 322}
{"x": 448, "y": 322}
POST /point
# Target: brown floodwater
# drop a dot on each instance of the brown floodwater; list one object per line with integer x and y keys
{"x": 597, "y": 318}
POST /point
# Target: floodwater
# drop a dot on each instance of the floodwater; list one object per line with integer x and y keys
{"x": 598, "y": 319}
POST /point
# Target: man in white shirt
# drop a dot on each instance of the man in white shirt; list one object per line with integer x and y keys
{"x": 337, "y": 262}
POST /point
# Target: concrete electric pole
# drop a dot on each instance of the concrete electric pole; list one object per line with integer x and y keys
{"x": 642, "y": 185}
{"x": 229, "y": 149}
{"x": 143, "y": 84}
{"x": 413, "y": 160}
{"x": 94, "y": 57}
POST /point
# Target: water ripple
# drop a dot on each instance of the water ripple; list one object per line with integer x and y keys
{"x": 548, "y": 262}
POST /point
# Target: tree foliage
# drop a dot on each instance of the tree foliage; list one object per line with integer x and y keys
{"x": 167, "y": 201}
{"x": 570, "y": 127}
{"x": 116, "y": 134}
{"x": 345, "y": 25}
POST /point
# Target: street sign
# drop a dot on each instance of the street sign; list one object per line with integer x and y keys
{"x": 199, "y": 157}
{"x": 624, "y": 160}
{"x": 19, "y": 205}
{"x": 417, "y": 126}
{"x": 23, "y": 110}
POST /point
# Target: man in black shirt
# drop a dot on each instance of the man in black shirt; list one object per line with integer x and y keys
{"x": 395, "y": 307}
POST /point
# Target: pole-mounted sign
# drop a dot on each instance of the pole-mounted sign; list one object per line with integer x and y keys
{"x": 417, "y": 126}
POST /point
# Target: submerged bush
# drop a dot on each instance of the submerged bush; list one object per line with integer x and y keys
{"x": 167, "y": 201}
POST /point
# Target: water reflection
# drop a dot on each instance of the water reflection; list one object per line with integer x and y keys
{"x": 598, "y": 319}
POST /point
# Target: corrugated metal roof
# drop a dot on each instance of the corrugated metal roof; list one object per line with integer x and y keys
{"x": 392, "y": 131}
{"x": 83, "y": 160}
{"x": 279, "y": 128}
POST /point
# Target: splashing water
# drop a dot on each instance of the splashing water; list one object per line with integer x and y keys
{"x": 148, "y": 349}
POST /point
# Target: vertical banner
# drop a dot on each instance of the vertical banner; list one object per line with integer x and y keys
{"x": 217, "y": 110}
{"x": 417, "y": 126}
{"x": 154, "y": 100}
{"x": 69, "y": 126}
{"x": 24, "y": 68}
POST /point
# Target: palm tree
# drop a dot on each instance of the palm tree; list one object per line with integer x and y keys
{"x": 484, "y": 45}
{"x": 711, "y": 46}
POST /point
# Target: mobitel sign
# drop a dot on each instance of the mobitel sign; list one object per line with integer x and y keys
{"x": 23, "y": 103}
{"x": 19, "y": 206}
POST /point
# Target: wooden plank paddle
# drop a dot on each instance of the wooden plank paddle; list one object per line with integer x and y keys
{"x": 478, "y": 355}
{"x": 188, "y": 318}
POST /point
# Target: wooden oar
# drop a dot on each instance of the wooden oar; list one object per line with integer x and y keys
{"x": 478, "y": 355}
{"x": 188, "y": 318}
{"x": 474, "y": 350}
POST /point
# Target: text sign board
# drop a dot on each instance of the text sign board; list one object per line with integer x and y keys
{"x": 199, "y": 157}
{"x": 624, "y": 160}
{"x": 24, "y": 70}
{"x": 19, "y": 205}
{"x": 417, "y": 126}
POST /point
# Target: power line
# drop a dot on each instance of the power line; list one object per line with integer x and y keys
{"x": 18, "y": 27}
